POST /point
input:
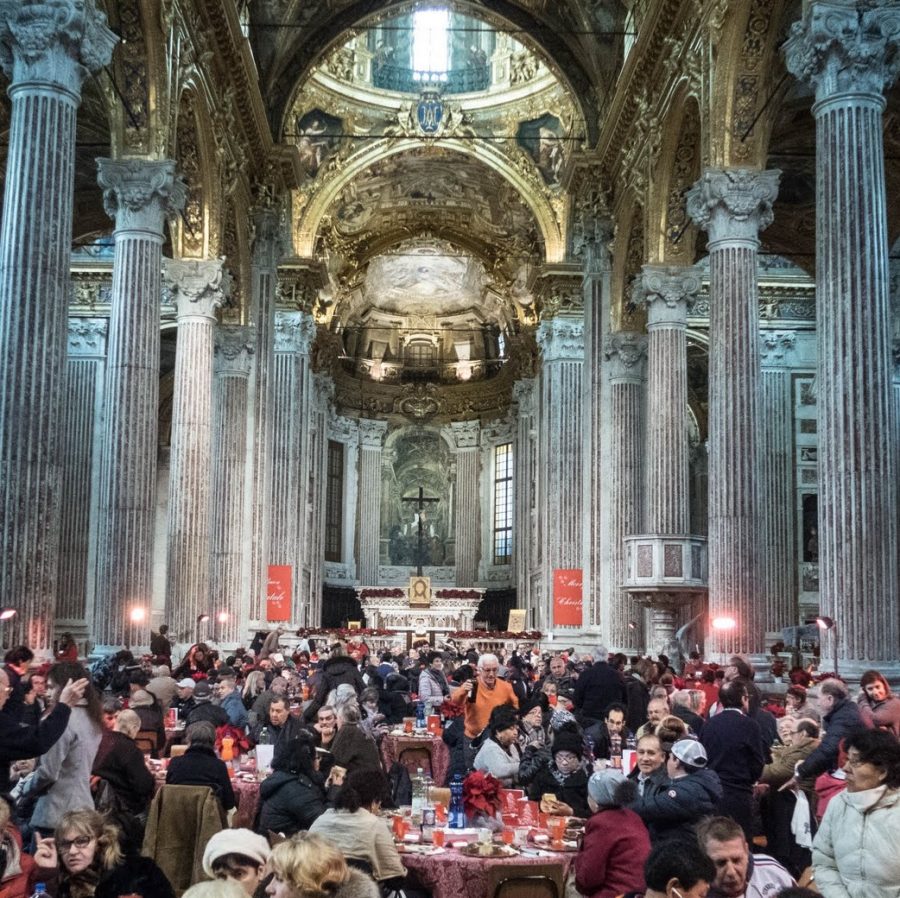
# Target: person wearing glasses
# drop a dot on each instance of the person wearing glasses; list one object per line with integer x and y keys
{"x": 83, "y": 858}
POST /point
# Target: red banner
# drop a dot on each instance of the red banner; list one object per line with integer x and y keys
{"x": 567, "y": 598}
{"x": 278, "y": 593}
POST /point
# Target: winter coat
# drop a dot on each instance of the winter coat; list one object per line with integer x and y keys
{"x": 353, "y": 749}
{"x": 734, "y": 747}
{"x": 883, "y": 715}
{"x": 572, "y": 791}
{"x": 134, "y": 875}
{"x": 18, "y": 742}
{"x": 841, "y": 722}
{"x": 121, "y": 763}
{"x": 359, "y": 885}
{"x": 433, "y": 686}
{"x": 679, "y": 803}
{"x": 597, "y": 688}
{"x": 206, "y": 710}
{"x": 611, "y": 859}
{"x": 334, "y": 671}
{"x": 63, "y": 776}
{"x": 363, "y": 836}
{"x": 233, "y": 705}
{"x": 199, "y": 766}
{"x": 290, "y": 803}
{"x": 492, "y": 758}
{"x": 855, "y": 853}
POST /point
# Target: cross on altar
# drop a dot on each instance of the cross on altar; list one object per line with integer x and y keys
{"x": 421, "y": 501}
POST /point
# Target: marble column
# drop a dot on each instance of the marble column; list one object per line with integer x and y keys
{"x": 667, "y": 292}
{"x": 733, "y": 205}
{"x": 199, "y": 289}
{"x": 849, "y": 54}
{"x": 267, "y": 249}
{"x": 467, "y": 435}
{"x": 778, "y": 482}
{"x": 560, "y": 452}
{"x": 317, "y": 481}
{"x": 524, "y": 497}
{"x": 234, "y": 351}
{"x": 626, "y": 356}
{"x": 140, "y": 195}
{"x": 80, "y": 445}
{"x": 46, "y": 50}
{"x": 292, "y": 398}
{"x": 371, "y": 442}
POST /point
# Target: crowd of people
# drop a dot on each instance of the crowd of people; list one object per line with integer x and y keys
{"x": 689, "y": 782}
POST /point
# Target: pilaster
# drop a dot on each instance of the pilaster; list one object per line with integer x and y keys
{"x": 199, "y": 289}
{"x": 233, "y": 360}
{"x": 850, "y": 53}
{"x": 525, "y": 550}
{"x": 733, "y": 205}
{"x": 371, "y": 442}
{"x": 467, "y": 436}
{"x": 46, "y": 51}
{"x": 139, "y": 195}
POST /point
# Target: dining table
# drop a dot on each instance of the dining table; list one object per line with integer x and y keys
{"x": 393, "y": 744}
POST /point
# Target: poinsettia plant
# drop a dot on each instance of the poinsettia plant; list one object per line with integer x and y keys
{"x": 449, "y": 709}
{"x": 481, "y": 794}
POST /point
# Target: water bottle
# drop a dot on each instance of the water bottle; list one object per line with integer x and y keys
{"x": 418, "y": 792}
{"x": 456, "y": 817}
{"x": 40, "y": 891}
{"x": 264, "y": 738}
{"x": 420, "y": 715}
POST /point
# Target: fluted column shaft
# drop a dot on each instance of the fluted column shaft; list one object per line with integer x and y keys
{"x": 850, "y": 55}
{"x": 47, "y": 52}
{"x": 292, "y": 394}
{"x": 139, "y": 195}
{"x": 468, "y": 519}
{"x": 626, "y": 355}
{"x": 524, "y": 537}
{"x": 233, "y": 356}
{"x": 371, "y": 440}
{"x": 199, "y": 289}
{"x": 264, "y": 278}
{"x": 80, "y": 444}
{"x": 561, "y": 445}
{"x": 733, "y": 205}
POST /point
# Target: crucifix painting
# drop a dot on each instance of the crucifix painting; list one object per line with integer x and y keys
{"x": 421, "y": 531}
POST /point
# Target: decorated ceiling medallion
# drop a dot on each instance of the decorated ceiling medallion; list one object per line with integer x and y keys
{"x": 430, "y": 111}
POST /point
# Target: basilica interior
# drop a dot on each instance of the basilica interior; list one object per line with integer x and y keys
{"x": 300, "y": 299}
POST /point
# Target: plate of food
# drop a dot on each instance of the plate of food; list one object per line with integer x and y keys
{"x": 474, "y": 849}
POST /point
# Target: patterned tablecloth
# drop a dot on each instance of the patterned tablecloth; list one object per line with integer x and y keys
{"x": 393, "y": 746}
{"x": 455, "y": 875}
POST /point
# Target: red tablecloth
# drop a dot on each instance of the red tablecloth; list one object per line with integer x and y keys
{"x": 455, "y": 875}
{"x": 393, "y": 746}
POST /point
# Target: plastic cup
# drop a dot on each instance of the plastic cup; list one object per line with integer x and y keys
{"x": 440, "y": 813}
{"x": 437, "y": 838}
{"x": 521, "y": 835}
{"x": 557, "y": 827}
{"x": 507, "y": 836}
{"x": 408, "y": 724}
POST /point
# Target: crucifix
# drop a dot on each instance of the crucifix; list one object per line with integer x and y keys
{"x": 420, "y": 507}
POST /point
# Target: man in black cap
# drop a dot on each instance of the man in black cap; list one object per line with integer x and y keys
{"x": 204, "y": 709}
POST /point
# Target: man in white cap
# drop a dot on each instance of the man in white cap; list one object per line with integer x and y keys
{"x": 690, "y": 793}
{"x": 184, "y": 697}
{"x": 239, "y": 855}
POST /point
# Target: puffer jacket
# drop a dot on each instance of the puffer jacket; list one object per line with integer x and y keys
{"x": 678, "y": 803}
{"x": 855, "y": 850}
{"x": 290, "y": 803}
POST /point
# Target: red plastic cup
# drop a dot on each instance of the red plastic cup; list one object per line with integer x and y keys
{"x": 437, "y": 838}
{"x": 440, "y": 813}
{"x": 507, "y": 836}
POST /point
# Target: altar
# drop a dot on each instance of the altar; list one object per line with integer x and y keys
{"x": 448, "y": 610}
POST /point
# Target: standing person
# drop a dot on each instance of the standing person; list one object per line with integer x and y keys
{"x": 16, "y": 663}
{"x": 67, "y": 650}
{"x": 433, "y": 686}
{"x": 597, "y": 688}
{"x": 61, "y": 781}
{"x": 339, "y": 668}
{"x": 160, "y": 647}
{"x": 270, "y": 644}
{"x": 735, "y": 750}
{"x": 478, "y": 697}
{"x": 35, "y": 698}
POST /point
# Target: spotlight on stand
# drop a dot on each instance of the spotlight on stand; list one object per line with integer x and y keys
{"x": 8, "y": 613}
{"x": 824, "y": 623}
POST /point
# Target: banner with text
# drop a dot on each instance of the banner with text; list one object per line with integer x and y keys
{"x": 278, "y": 594}
{"x": 567, "y": 597}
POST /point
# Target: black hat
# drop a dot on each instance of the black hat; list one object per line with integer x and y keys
{"x": 566, "y": 741}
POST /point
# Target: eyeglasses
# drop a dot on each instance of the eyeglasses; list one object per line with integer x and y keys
{"x": 64, "y": 845}
{"x": 566, "y": 757}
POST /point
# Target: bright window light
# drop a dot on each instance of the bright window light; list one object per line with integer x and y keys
{"x": 431, "y": 48}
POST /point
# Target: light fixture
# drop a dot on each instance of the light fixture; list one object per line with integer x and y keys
{"x": 138, "y": 615}
{"x": 223, "y": 617}
{"x": 823, "y": 622}
{"x": 632, "y": 625}
{"x": 723, "y": 623}
{"x": 8, "y": 613}
{"x": 202, "y": 618}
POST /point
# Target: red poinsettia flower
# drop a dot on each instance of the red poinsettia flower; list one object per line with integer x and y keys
{"x": 481, "y": 794}
{"x": 449, "y": 710}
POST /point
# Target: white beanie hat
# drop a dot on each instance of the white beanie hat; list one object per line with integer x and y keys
{"x": 235, "y": 841}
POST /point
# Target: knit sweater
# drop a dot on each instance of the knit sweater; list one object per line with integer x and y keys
{"x": 478, "y": 713}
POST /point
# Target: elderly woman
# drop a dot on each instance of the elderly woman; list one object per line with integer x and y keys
{"x": 616, "y": 846}
{"x": 561, "y": 787}
{"x": 308, "y": 866}
{"x": 84, "y": 859}
{"x": 352, "y": 747}
{"x": 879, "y": 708}
{"x": 499, "y": 754}
{"x": 855, "y": 853}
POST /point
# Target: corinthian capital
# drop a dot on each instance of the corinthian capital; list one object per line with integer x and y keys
{"x": 198, "y": 287}
{"x": 294, "y": 332}
{"x": 843, "y": 47}
{"x": 55, "y": 42}
{"x": 668, "y": 291}
{"x": 140, "y": 194}
{"x": 733, "y": 203}
{"x": 466, "y": 434}
{"x": 371, "y": 433}
{"x": 235, "y": 346}
{"x": 626, "y": 353}
{"x": 561, "y": 339}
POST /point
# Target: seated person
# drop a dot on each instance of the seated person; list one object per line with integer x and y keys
{"x": 610, "y": 733}
{"x": 532, "y": 728}
{"x": 309, "y": 867}
{"x": 238, "y": 855}
{"x": 678, "y": 868}
{"x": 294, "y": 795}
{"x": 352, "y": 748}
{"x": 650, "y": 771}
{"x": 204, "y": 709}
{"x": 499, "y": 754}
{"x": 281, "y": 726}
{"x": 356, "y": 830}
{"x": 199, "y": 766}
{"x": 561, "y": 788}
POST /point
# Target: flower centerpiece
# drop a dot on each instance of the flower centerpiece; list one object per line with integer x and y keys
{"x": 481, "y": 799}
